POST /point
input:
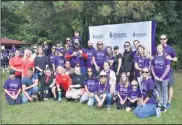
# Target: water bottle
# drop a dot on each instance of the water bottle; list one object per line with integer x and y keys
{"x": 59, "y": 96}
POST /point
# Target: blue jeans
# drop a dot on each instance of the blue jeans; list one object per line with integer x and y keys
{"x": 30, "y": 92}
{"x": 162, "y": 88}
{"x": 107, "y": 100}
{"x": 145, "y": 111}
{"x": 12, "y": 101}
{"x": 85, "y": 97}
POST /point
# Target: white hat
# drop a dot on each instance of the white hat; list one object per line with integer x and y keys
{"x": 103, "y": 73}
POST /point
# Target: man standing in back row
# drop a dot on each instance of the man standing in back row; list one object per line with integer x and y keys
{"x": 171, "y": 55}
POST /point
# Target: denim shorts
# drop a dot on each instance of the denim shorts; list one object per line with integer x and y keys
{"x": 171, "y": 78}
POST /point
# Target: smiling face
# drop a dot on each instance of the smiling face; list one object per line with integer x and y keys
{"x": 90, "y": 44}
{"x": 145, "y": 72}
{"x": 127, "y": 46}
{"x": 89, "y": 72}
{"x": 48, "y": 73}
{"x": 106, "y": 66}
{"x": 136, "y": 43}
{"x": 141, "y": 50}
{"x": 163, "y": 39}
{"x": 160, "y": 49}
{"x": 60, "y": 70}
{"x": 123, "y": 77}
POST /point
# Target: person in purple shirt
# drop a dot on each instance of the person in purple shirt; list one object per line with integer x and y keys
{"x": 139, "y": 61}
{"x": 59, "y": 60}
{"x": 110, "y": 57}
{"x": 102, "y": 94}
{"x": 89, "y": 51}
{"x": 69, "y": 43}
{"x": 77, "y": 56}
{"x": 122, "y": 91}
{"x": 12, "y": 88}
{"x": 171, "y": 55}
{"x": 147, "y": 104}
{"x": 67, "y": 47}
{"x": 160, "y": 71}
{"x": 4, "y": 60}
{"x": 52, "y": 54}
{"x": 136, "y": 43}
{"x": 99, "y": 57}
{"x": 148, "y": 58}
{"x": 59, "y": 46}
{"x": 13, "y": 49}
{"x": 77, "y": 36}
{"x": 134, "y": 95}
{"x": 90, "y": 84}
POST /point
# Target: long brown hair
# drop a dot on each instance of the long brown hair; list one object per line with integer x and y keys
{"x": 127, "y": 79}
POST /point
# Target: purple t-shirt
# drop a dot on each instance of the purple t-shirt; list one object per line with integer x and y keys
{"x": 52, "y": 56}
{"x": 59, "y": 61}
{"x": 148, "y": 85}
{"x": 159, "y": 63}
{"x": 61, "y": 49}
{"x": 12, "y": 85}
{"x": 123, "y": 91}
{"x": 76, "y": 59}
{"x": 109, "y": 58}
{"x": 103, "y": 88}
{"x": 89, "y": 52}
{"x": 140, "y": 61}
{"x": 100, "y": 57}
{"x": 134, "y": 94}
{"x": 91, "y": 84}
{"x": 147, "y": 62}
{"x": 170, "y": 51}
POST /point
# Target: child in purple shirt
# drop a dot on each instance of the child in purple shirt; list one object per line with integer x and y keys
{"x": 160, "y": 71}
{"x": 12, "y": 88}
{"x": 122, "y": 91}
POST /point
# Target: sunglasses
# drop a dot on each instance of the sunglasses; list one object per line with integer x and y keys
{"x": 134, "y": 85}
{"x": 89, "y": 71}
{"x": 68, "y": 40}
{"x": 103, "y": 76}
{"x": 163, "y": 38}
{"x": 53, "y": 48}
{"x": 66, "y": 46}
{"x": 145, "y": 72}
{"x": 126, "y": 45}
{"x": 100, "y": 44}
{"x": 34, "y": 48}
{"x": 12, "y": 73}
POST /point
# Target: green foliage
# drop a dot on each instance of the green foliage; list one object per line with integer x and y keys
{"x": 55, "y": 20}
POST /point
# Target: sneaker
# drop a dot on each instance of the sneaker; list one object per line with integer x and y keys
{"x": 108, "y": 108}
{"x": 158, "y": 112}
{"x": 168, "y": 106}
{"x": 45, "y": 99}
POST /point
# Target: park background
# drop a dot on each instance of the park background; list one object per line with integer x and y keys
{"x": 38, "y": 21}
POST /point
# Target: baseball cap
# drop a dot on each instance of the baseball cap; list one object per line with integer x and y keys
{"x": 76, "y": 41}
{"x": 12, "y": 72}
{"x": 116, "y": 47}
{"x": 103, "y": 74}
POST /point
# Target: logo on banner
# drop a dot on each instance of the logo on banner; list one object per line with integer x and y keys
{"x": 98, "y": 36}
{"x": 139, "y": 34}
{"x": 117, "y": 35}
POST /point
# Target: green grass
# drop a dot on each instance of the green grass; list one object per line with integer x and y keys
{"x": 51, "y": 112}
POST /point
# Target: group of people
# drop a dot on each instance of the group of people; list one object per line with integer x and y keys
{"x": 99, "y": 76}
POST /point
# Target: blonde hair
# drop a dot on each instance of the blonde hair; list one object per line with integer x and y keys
{"x": 62, "y": 68}
{"x": 25, "y": 53}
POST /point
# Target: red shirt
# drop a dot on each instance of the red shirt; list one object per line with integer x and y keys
{"x": 17, "y": 63}
{"x": 26, "y": 64}
{"x": 63, "y": 80}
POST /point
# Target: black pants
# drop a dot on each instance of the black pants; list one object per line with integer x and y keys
{"x": 119, "y": 106}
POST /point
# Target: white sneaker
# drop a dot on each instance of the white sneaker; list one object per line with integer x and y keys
{"x": 158, "y": 112}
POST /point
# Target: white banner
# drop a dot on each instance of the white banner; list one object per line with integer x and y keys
{"x": 117, "y": 34}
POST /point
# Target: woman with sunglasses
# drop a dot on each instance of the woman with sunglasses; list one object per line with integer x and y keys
{"x": 90, "y": 84}
{"x": 66, "y": 48}
{"x": 134, "y": 95}
{"x": 122, "y": 91}
{"x": 161, "y": 72}
{"x": 12, "y": 88}
{"x": 147, "y": 103}
{"x": 127, "y": 61}
{"x": 139, "y": 61}
{"x": 102, "y": 94}
{"x": 99, "y": 57}
{"x": 110, "y": 57}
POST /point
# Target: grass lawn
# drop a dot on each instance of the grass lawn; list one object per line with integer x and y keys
{"x": 51, "y": 112}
